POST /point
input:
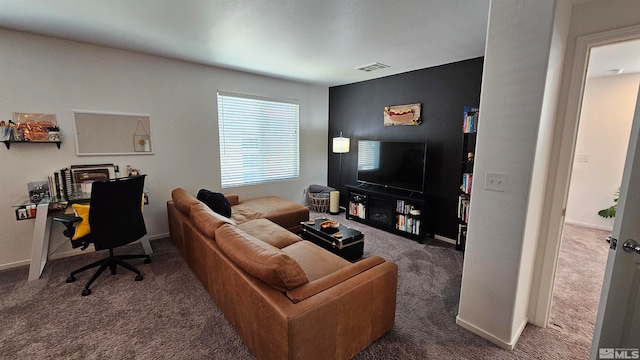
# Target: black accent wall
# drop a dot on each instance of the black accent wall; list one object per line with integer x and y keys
{"x": 357, "y": 110}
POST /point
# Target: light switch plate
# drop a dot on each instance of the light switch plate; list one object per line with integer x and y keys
{"x": 582, "y": 158}
{"x": 495, "y": 181}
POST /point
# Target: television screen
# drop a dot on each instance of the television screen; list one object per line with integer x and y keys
{"x": 399, "y": 165}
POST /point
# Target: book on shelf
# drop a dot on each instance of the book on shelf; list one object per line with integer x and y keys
{"x": 467, "y": 179}
{"x": 60, "y": 184}
{"x": 67, "y": 182}
{"x": 462, "y": 234}
{"x": 408, "y": 224}
{"x": 357, "y": 209}
{"x": 470, "y": 123}
{"x": 463, "y": 208}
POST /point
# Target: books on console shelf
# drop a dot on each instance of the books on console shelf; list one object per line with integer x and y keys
{"x": 408, "y": 224}
{"x": 357, "y": 209}
{"x": 403, "y": 208}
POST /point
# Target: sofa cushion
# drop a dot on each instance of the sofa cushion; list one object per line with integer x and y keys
{"x": 269, "y": 232}
{"x": 315, "y": 261}
{"x": 317, "y": 286}
{"x": 285, "y": 213}
{"x": 183, "y": 200}
{"x": 264, "y": 261}
{"x": 234, "y": 199}
{"x": 216, "y": 201}
{"x": 206, "y": 220}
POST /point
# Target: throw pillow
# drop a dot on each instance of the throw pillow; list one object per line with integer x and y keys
{"x": 215, "y": 201}
{"x": 82, "y": 229}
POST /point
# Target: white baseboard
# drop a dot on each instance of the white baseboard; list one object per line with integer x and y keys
{"x": 600, "y": 227}
{"x": 159, "y": 236}
{"x": 508, "y": 345}
{"x": 71, "y": 252}
{"x": 14, "y": 264}
{"x": 445, "y": 239}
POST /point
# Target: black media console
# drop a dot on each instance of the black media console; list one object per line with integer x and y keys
{"x": 399, "y": 212}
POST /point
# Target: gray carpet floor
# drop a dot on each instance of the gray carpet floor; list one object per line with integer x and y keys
{"x": 169, "y": 315}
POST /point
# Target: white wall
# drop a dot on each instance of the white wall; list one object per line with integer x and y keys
{"x": 609, "y": 18}
{"x": 521, "y": 79}
{"x": 42, "y": 74}
{"x": 601, "y": 147}
{"x": 516, "y": 101}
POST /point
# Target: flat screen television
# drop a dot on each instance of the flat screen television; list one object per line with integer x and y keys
{"x": 393, "y": 164}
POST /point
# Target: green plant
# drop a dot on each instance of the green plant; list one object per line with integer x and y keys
{"x": 610, "y": 212}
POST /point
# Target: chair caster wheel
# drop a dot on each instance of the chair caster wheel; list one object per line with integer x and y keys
{"x": 71, "y": 279}
{"x": 147, "y": 260}
{"x": 86, "y": 292}
{"x": 138, "y": 277}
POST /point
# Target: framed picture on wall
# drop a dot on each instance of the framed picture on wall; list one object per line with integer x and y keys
{"x": 402, "y": 115}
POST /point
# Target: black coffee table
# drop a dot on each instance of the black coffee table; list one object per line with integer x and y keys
{"x": 350, "y": 246}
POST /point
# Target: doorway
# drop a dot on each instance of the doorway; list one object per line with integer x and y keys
{"x": 606, "y": 115}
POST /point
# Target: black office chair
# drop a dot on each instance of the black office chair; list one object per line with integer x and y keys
{"x": 115, "y": 219}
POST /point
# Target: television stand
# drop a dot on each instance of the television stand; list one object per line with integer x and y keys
{"x": 395, "y": 211}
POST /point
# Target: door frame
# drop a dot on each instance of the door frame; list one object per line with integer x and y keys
{"x": 560, "y": 171}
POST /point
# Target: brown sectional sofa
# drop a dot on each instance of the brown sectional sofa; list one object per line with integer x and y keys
{"x": 287, "y": 298}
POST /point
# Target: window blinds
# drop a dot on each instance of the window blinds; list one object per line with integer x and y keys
{"x": 258, "y": 139}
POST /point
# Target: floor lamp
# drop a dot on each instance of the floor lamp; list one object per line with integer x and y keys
{"x": 340, "y": 146}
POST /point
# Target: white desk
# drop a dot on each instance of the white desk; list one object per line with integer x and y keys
{"x": 40, "y": 244}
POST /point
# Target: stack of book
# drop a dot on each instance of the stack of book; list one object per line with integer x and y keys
{"x": 470, "y": 123}
{"x": 467, "y": 179}
{"x": 402, "y": 207}
{"x": 408, "y": 224}
{"x": 463, "y": 208}
{"x": 357, "y": 209}
{"x": 60, "y": 184}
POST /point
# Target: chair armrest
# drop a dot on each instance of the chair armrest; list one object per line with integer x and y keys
{"x": 69, "y": 221}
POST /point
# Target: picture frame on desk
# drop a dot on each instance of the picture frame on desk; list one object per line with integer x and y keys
{"x": 38, "y": 190}
{"x": 84, "y": 174}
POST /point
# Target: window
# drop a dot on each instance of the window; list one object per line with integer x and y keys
{"x": 258, "y": 139}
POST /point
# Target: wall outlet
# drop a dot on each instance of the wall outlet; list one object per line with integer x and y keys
{"x": 495, "y": 181}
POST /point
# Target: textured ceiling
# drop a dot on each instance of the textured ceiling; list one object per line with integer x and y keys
{"x": 315, "y": 41}
{"x": 613, "y": 59}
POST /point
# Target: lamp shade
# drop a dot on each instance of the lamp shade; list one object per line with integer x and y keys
{"x": 340, "y": 145}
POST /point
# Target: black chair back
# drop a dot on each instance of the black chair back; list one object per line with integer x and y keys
{"x": 116, "y": 214}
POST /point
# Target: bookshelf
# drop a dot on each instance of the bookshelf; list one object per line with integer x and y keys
{"x": 469, "y": 134}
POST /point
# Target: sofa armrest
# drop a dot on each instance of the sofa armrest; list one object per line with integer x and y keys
{"x": 314, "y": 287}
{"x": 234, "y": 199}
